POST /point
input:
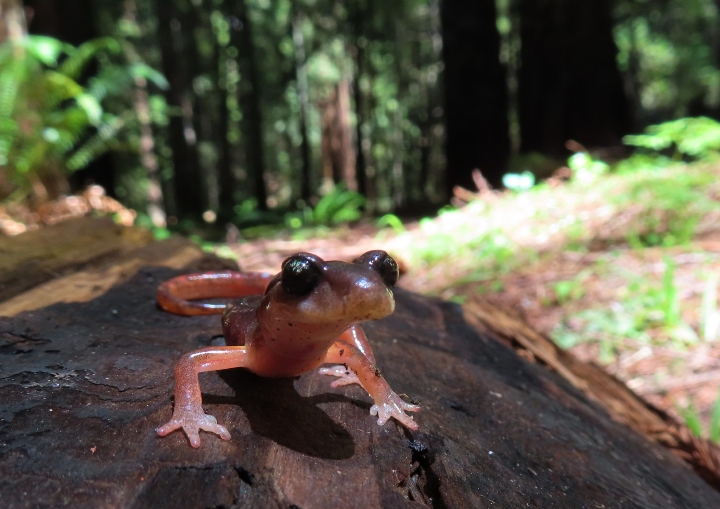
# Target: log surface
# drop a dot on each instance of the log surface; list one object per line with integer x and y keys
{"x": 83, "y": 386}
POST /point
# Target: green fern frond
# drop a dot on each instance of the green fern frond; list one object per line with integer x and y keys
{"x": 45, "y": 49}
{"x": 155, "y": 77}
{"x": 112, "y": 80}
{"x": 12, "y": 74}
{"x": 97, "y": 145}
{"x": 79, "y": 57}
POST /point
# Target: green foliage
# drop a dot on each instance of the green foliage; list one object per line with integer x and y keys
{"x": 673, "y": 198}
{"x": 571, "y": 289}
{"x": 387, "y": 55}
{"x": 693, "y": 421}
{"x": 51, "y": 123}
{"x": 641, "y": 307}
{"x": 338, "y": 206}
{"x": 694, "y": 137}
{"x": 453, "y": 237}
{"x": 710, "y": 315}
{"x": 668, "y": 54}
{"x": 714, "y": 428}
{"x": 670, "y": 299}
{"x": 392, "y": 221}
{"x": 586, "y": 169}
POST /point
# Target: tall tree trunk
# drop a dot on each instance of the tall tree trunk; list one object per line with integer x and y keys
{"x": 347, "y": 150}
{"x": 357, "y": 51}
{"x": 338, "y": 154}
{"x": 154, "y": 193}
{"x": 226, "y": 179}
{"x": 187, "y": 179}
{"x": 250, "y": 102}
{"x": 476, "y": 102}
{"x": 71, "y": 21}
{"x": 327, "y": 132}
{"x": 307, "y": 190}
{"x": 570, "y": 86}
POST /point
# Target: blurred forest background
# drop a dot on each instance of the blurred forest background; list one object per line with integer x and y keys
{"x": 245, "y": 110}
{"x": 266, "y": 124}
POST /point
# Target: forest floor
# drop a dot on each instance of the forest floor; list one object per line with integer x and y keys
{"x": 622, "y": 270}
{"x": 595, "y": 303}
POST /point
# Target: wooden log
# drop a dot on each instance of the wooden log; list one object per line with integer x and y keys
{"x": 38, "y": 256}
{"x": 84, "y": 384}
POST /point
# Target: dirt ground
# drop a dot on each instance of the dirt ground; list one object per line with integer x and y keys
{"x": 669, "y": 375}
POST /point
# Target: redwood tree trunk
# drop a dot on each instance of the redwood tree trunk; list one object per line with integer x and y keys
{"x": 570, "y": 86}
{"x": 307, "y": 187}
{"x": 249, "y": 100}
{"x": 476, "y": 99}
{"x": 338, "y": 154}
{"x": 187, "y": 179}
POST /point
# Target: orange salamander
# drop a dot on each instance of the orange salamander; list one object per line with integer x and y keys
{"x": 286, "y": 325}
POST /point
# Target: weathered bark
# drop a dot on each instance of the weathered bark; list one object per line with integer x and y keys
{"x": 476, "y": 99}
{"x": 39, "y": 256}
{"x": 570, "y": 86}
{"x": 83, "y": 385}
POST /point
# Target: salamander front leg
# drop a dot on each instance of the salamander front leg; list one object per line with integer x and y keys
{"x": 188, "y": 413}
{"x": 354, "y": 336}
{"x": 387, "y": 403}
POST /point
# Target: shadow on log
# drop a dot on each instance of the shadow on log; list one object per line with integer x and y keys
{"x": 84, "y": 385}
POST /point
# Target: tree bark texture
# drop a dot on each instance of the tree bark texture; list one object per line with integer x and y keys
{"x": 83, "y": 385}
{"x": 569, "y": 86}
{"x": 476, "y": 98}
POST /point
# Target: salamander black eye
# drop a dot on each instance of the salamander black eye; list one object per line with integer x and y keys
{"x": 301, "y": 273}
{"x": 383, "y": 264}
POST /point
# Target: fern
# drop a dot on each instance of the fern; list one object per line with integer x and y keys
{"x": 79, "y": 57}
{"x": 50, "y": 121}
{"x": 98, "y": 144}
{"x": 697, "y": 137}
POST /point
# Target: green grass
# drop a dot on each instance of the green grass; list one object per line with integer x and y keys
{"x": 646, "y": 310}
{"x": 637, "y": 207}
{"x": 693, "y": 421}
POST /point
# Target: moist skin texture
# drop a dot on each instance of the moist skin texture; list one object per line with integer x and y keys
{"x": 307, "y": 315}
